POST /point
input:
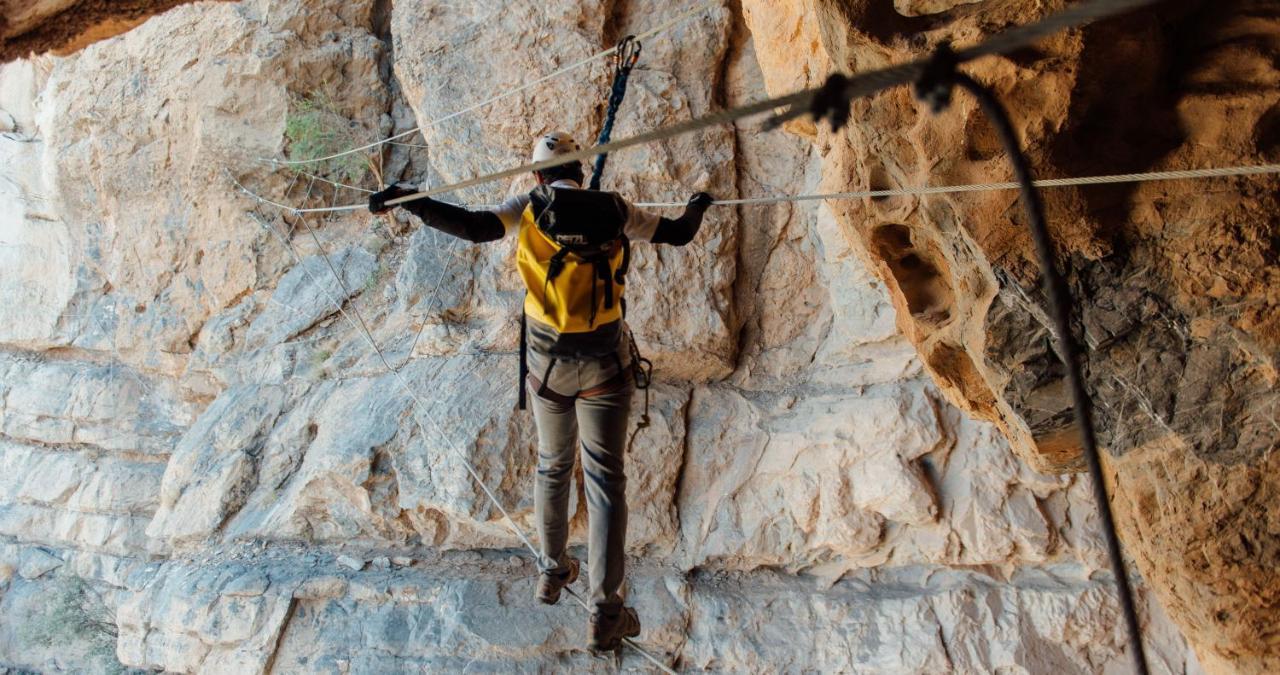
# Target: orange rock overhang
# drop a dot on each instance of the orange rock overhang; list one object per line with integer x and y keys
{"x": 60, "y": 27}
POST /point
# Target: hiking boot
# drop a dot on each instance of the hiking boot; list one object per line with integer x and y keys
{"x": 606, "y": 632}
{"x": 550, "y": 583}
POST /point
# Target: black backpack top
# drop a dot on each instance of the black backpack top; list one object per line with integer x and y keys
{"x": 587, "y": 222}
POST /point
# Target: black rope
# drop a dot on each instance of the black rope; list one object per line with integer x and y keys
{"x": 624, "y": 59}
{"x": 523, "y": 398}
{"x": 934, "y": 87}
{"x": 832, "y": 99}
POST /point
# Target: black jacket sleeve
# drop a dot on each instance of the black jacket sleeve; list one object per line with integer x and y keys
{"x": 474, "y": 226}
{"x": 682, "y": 230}
{"x": 677, "y": 232}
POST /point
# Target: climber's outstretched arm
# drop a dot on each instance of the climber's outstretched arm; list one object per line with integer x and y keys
{"x": 473, "y": 226}
{"x": 682, "y": 230}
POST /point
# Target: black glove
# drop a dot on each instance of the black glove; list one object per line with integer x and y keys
{"x": 378, "y": 200}
{"x": 699, "y": 202}
{"x": 682, "y": 230}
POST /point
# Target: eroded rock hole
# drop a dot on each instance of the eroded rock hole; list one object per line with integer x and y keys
{"x": 879, "y": 180}
{"x": 924, "y": 286}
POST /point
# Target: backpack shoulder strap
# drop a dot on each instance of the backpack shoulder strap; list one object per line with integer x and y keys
{"x": 620, "y": 275}
{"x": 524, "y": 360}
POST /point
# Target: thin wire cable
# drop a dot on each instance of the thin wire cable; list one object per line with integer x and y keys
{"x": 1150, "y": 176}
{"x": 629, "y": 642}
{"x": 328, "y": 209}
{"x": 310, "y": 187}
{"x": 291, "y": 184}
{"x": 259, "y": 198}
{"x": 710, "y": 120}
{"x": 359, "y": 324}
{"x": 1178, "y": 174}
{"x": 450, "y": 254}
{"x": 846, "y": 89}
{"x": 797, "y": 103}
{"x": 720, "y": 117}
{"x": 1074, "y": 16}
{"x": 333, "y": 182}
{"x": 1069, "y": 351}
{"x": 660, "y": 28}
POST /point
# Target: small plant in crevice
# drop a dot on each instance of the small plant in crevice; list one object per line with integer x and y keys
{"x": 315, "y": 129}
{"x": 73, "y": 612}
{"x": 371, "y": 283}
{"x": 318, "y": 358}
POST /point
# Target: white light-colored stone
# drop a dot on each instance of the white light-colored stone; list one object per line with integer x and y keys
{"x": 248, "y": 585}
{"x": 321, "y": 588}
{"x": 36, "y": 563}
{"x": 354, "y": 564}
{"x": 191, "y": 423}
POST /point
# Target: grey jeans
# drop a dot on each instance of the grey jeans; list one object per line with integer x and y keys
{"x": 600, "y": 423}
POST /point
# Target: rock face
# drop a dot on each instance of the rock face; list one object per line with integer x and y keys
{"x": 64, "y": 26}
{"x": 206, "y": 467}
{"x": 1176, "y": 281}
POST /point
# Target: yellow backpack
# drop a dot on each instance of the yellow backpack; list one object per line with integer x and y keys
{"x": 572, "y": 253}
{"x": 573, "y": 256}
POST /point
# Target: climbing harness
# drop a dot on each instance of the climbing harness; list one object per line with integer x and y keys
{"x": 353, "y": 317}
{"x": 625, "y": 56}
{"x": 933, "y": 79}
{"x": 571, "y": 239}
{"x": 573, "y": 255}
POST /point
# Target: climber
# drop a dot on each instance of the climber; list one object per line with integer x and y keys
{"x": 573, "y": 250}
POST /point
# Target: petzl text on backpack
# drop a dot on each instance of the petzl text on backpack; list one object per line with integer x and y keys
{"x": 573, "y": 257}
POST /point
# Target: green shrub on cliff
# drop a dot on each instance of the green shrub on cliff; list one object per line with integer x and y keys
{"x": 75, "y": 614}
{"x": 315, "y": 129}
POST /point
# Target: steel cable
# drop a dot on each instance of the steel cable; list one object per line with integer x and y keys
{"x": 419, "y": 409}
{"x": 661, "y": 28}
{"x": 832, "y": 98}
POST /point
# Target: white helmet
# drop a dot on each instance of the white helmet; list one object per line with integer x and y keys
{"x": 553, "y": 145}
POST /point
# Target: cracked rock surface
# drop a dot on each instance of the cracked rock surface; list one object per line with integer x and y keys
{"x": 1176, "y": 281}
{"x": 201, "y": 454}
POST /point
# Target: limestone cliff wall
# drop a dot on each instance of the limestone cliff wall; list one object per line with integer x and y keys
{"x": 206, "y": 470}
{"x": 1176, "y": 280}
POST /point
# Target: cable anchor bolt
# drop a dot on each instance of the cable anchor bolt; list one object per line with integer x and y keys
{"x": 935, "y": 83}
